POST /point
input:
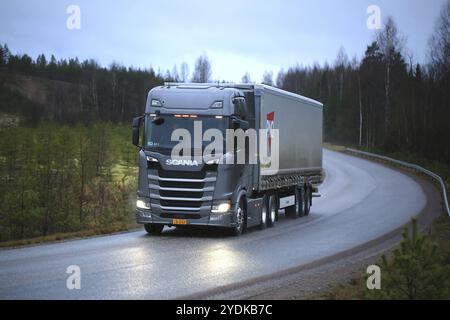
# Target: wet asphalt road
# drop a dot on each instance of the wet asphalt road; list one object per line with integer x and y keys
{"x": 361, "y": 201}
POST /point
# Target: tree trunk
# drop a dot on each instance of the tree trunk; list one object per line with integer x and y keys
{"x": 82, "y": 182}
{"x": 360, "y": 111}
{"x": 387, "y": 110}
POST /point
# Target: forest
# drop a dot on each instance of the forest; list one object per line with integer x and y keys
{"x": 66, "y": 160}
{"x": 59, "y": 178}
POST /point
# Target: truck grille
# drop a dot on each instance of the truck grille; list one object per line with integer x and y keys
{"x": 181, "y": 204}
{"x": 182, "y": 184}
{"x": 175, "y": 193}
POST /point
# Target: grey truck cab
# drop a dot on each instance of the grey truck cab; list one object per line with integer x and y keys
{"x": 189, "y": 190}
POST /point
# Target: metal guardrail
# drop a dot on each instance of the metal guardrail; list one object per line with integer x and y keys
{"x": 411, "y": 166}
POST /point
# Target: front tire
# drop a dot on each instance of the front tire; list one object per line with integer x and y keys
{"x": 240, "y": 218}
{"x": 153, "y": 229}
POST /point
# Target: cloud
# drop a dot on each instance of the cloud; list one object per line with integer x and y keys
{"x": 239, "y": 37}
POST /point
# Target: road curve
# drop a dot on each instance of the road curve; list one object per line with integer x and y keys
{"x": 361, "y": 201}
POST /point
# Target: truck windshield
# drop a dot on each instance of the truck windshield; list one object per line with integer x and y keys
{"x": 158, "y": 134}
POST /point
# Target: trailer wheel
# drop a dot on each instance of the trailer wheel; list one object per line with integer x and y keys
{"x": 272, "y": 211}
{"x": 303, "y": 195}
{"x": 307, "y": 201}
{"x": 153, "y": 228}
{"x": 296, "y": 210}
{"x": 264, "y": 213}
{"x": 277, "y": 209}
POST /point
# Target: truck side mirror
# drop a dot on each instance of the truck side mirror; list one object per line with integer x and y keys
{"x": 244, "y": 125}
{"x": 238, "y": 123}
{"x": 235, "y": 123}
{"x": 135, "y": 130}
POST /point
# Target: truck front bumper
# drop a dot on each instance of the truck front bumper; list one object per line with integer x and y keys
{"x": 213, "y": 220}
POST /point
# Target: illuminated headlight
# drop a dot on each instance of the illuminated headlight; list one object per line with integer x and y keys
{"x": 151, "y": 159}
{"x": 143, "y": 203}
{"x": 221, "y": 207}
{"x": 156, "y": 103}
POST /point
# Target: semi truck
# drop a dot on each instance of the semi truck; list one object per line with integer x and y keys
{"x": 185, "y": 190}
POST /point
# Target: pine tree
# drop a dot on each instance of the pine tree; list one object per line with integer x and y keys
{"x": 417, "y": 270}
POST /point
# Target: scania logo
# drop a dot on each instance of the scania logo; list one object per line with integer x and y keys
{"x": 183, "y": 162}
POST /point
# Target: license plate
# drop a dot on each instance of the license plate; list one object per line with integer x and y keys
{"x": 179, "y": 221}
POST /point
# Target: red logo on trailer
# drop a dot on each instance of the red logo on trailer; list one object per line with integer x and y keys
{"x": 270, "y": 127}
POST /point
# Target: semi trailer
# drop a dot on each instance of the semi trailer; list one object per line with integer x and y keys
{"x": 281, "y": 170}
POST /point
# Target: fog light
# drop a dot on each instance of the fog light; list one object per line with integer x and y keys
{"x": 143, "y": 204}
{"x": 221, "y": 207}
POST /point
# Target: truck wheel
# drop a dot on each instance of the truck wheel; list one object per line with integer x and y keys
{"x": 272, "y": 211}
{"x": 153, "y": 228}
{"x": 277, "y": 210}
{"x": 296, "y": 210}
{"x": 302, "y": 194}
{"x": 307, "y": 201}
{"x": 240, "y": 218}
{"x": 264, "y": 213}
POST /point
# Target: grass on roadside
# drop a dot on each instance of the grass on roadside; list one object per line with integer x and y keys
{"x": 355, "y": 289}
{"x": 333, "y": 147}
{"x": 69, "y": 235}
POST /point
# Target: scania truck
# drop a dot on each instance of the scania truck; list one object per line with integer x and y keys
{"x": 184, "y": 188}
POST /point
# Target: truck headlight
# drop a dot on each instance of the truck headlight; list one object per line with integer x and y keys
{"x": 151, "y": 159}
{"x": 143, "y": 203}
{"x": 221, "y": 207}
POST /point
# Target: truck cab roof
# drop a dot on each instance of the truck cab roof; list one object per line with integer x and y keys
{"x": 187, "y": 98}
{"x": 208, "y": 98}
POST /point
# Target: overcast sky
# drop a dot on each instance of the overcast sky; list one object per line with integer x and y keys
{"x": 238, "y": 36}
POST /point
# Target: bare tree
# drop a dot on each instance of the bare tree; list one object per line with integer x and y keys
{"x": 280, "y": 78}
{"x": 246, "y": 78}
{"x": 5, "y": 54}
{"x": 184, "y": 72}
{"x": 341, "y": 64}
{"x": 360, "y": 109}
{"x": 268, "y": 78}
{"x": 202, "y": 70}
{"x": 390, "y": 43}
{"x": 439, "y": 52}
{"x": 114, "y": 67}
{"x": 168, "y": 76}
{"x": 175, "y": 75}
